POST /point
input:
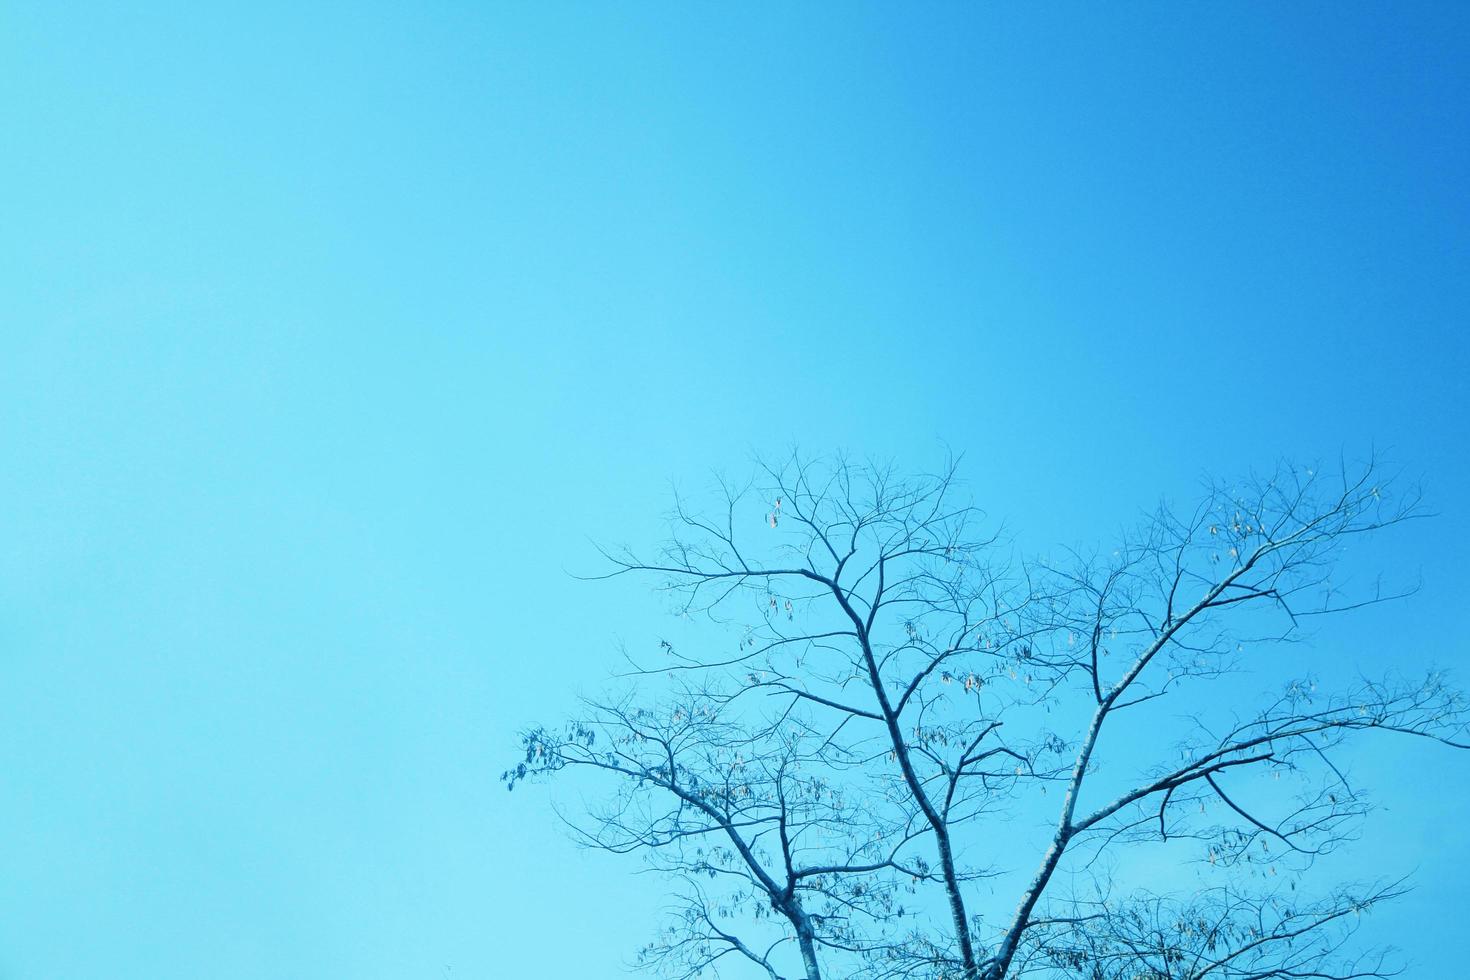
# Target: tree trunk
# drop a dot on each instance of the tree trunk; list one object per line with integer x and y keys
{"x": 808, "y": 954}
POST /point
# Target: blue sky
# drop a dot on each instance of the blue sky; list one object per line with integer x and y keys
{"x": 330, "y": 334}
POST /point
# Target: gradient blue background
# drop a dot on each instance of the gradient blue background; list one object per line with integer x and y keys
{"x": 329, "y": 333}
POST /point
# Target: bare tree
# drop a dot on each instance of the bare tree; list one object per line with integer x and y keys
{"x": 905, "y": 704}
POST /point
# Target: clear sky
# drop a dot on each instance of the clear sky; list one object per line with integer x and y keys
{"x": 330, "y": 334}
